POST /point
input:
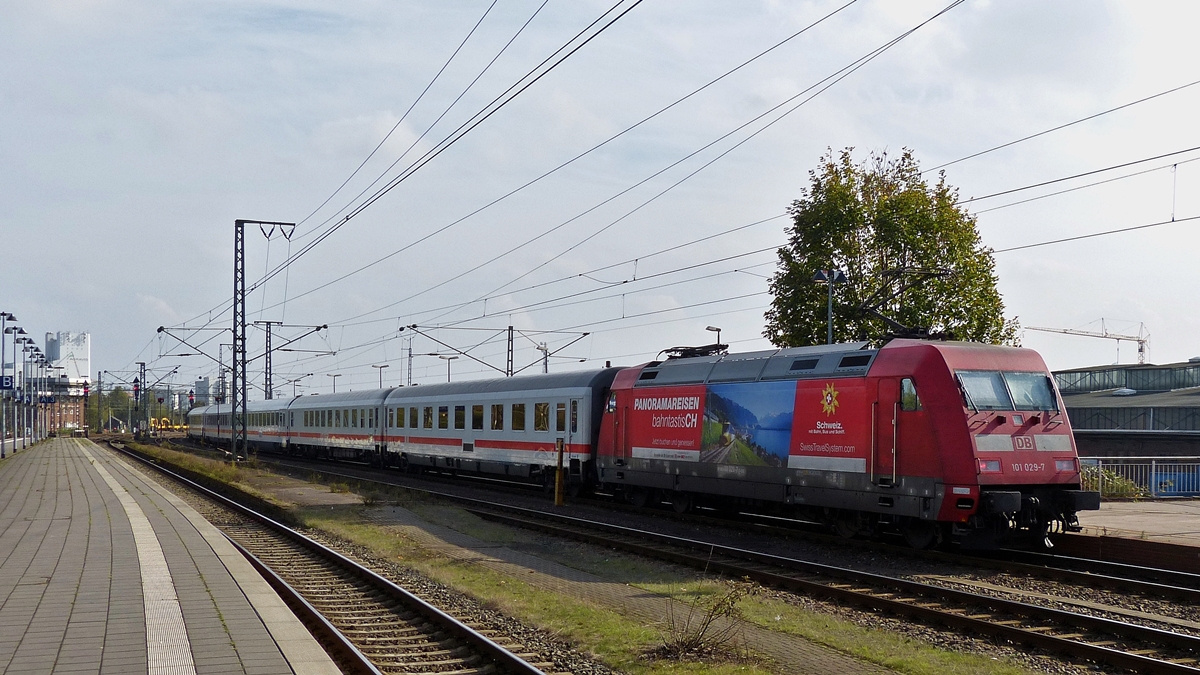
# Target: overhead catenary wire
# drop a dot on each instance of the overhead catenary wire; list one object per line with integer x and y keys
{"x": 404, "y": 116}
{"x": 814, "y": 90}
{"x": 1062, "y": 126}
{"x": 447, "y": 142}
{"x": 586, "y": 152}
{"x": 1093, "y": 235}
{"x": 478, "y": 118}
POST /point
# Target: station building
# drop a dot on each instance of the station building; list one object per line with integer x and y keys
{"x": 1134, "y": 410}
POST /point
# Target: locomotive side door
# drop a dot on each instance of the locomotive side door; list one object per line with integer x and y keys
{"x": 886, "y": 412}
{"x": 620, "y": 423}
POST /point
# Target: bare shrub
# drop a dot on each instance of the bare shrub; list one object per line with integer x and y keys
{"x": 709, "y": 626}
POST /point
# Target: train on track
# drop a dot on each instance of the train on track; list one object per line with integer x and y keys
{"x": 937, "y": 441}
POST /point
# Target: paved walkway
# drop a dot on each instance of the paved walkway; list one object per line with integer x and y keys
{"x": 104, "y": 571}
{"x": 1174, "y": 521}
{"x": 650, "y": 608}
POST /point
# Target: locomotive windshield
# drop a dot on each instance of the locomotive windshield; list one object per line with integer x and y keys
{"x": 1006, "y": 390}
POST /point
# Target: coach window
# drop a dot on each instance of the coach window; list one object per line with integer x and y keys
{"x": 353, "y": 418}
{"x": 575, "y": 415}
{"x": 518, "y": 417}
{"x": 497, "y": 417}
{"x": 428, "y": 417}
{"x": 337, "y": 418}
{"x": 373, "y": 417}
{"x": 443, "y": 417}
{"x": 460, "y": 417}
{"x": 412, "y": 418}
{"x": 477, "y": 417}
{"x": 541, "y": 417}
{"x": 560, "y": 417}
{"x": 908, "y": 395}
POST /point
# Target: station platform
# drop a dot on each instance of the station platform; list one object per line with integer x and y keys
{"x": 104, "y": 571}
{"x": 12, "y": 444}
{"x": 1170, "y": 521}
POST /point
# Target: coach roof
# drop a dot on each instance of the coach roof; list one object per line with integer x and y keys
{"x": 571, "y": 380}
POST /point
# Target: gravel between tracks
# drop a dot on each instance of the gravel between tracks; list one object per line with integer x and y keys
{"x": 899, "y": 565}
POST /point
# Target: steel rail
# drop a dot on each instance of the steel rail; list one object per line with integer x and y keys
{"x": 818, "y": 579}
{"x": 504, "y": 658}
{"x": 1157, "y": 577}
{"x": 1149, "y": 581}
{"x": 340, "y": 646}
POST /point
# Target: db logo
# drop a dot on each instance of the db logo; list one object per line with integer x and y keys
{"x": 1023, "y": 442}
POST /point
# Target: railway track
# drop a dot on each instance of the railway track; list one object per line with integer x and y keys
{"x": 369, "y": 624}
{"x": 1116, "y": 577}
{"x": 1125, "y": 645}
{"x": 1083, "y": 636}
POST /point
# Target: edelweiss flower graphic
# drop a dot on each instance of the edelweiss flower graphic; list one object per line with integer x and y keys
{"x": 829, "y": 399}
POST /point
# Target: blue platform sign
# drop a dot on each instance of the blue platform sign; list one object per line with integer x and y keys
{"x": 6, "y": 381}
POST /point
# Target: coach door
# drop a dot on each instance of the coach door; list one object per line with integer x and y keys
{"x": 885, "y": 413}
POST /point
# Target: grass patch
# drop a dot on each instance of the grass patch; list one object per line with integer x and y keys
{"x": 618, "y": 641}
{"x": 240, "y": 475}
{"x": 883, "y": 647}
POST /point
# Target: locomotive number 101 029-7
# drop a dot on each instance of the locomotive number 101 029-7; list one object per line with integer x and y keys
{"x": 1029, "y": 466}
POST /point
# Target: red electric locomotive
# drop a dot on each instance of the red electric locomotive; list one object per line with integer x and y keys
{"x": 930, "y": 439}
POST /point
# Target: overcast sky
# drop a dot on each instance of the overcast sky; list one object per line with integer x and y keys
{"x": 134, "y": 133}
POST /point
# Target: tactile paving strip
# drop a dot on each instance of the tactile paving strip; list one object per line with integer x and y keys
{"x": 168, "y": 650}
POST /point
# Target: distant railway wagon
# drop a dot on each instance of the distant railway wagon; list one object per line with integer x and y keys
{"x": 933, "y": 440}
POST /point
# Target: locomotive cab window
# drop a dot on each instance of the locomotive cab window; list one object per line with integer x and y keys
{"x": 984, "y": 390}
{"x": 1031, "y": 391}
{"x": 909, "y": 400}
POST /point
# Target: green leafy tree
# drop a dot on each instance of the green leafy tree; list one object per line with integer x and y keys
{"x": 883, "y": 225}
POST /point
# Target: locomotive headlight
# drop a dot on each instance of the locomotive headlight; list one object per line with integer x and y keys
{"x": 989, "y": 466}
{"x": 1064, "y": 465}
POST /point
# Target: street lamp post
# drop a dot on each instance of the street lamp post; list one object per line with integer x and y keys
{"x": 380, "y": 369}
{"x": 335, "y": 376}
{"x": 5, "y": 317}
{"x": 295, "y": 381}
{"x": 22, "y": 392}
{"x": 829, "y": 278}
{"x": 448, "y": 358}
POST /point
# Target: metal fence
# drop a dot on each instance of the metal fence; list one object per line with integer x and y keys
{"x": 1141, "y": 477}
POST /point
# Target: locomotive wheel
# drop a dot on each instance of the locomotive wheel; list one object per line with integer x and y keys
{"x": 922, "y": 534}
{"x": 846, "y": 524}
{"x": 639, "y": 497}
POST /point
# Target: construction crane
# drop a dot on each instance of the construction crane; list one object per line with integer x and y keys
{"x": 1142, "y": 338}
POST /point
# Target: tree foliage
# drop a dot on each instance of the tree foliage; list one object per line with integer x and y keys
{"x": 871, "y": 220}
